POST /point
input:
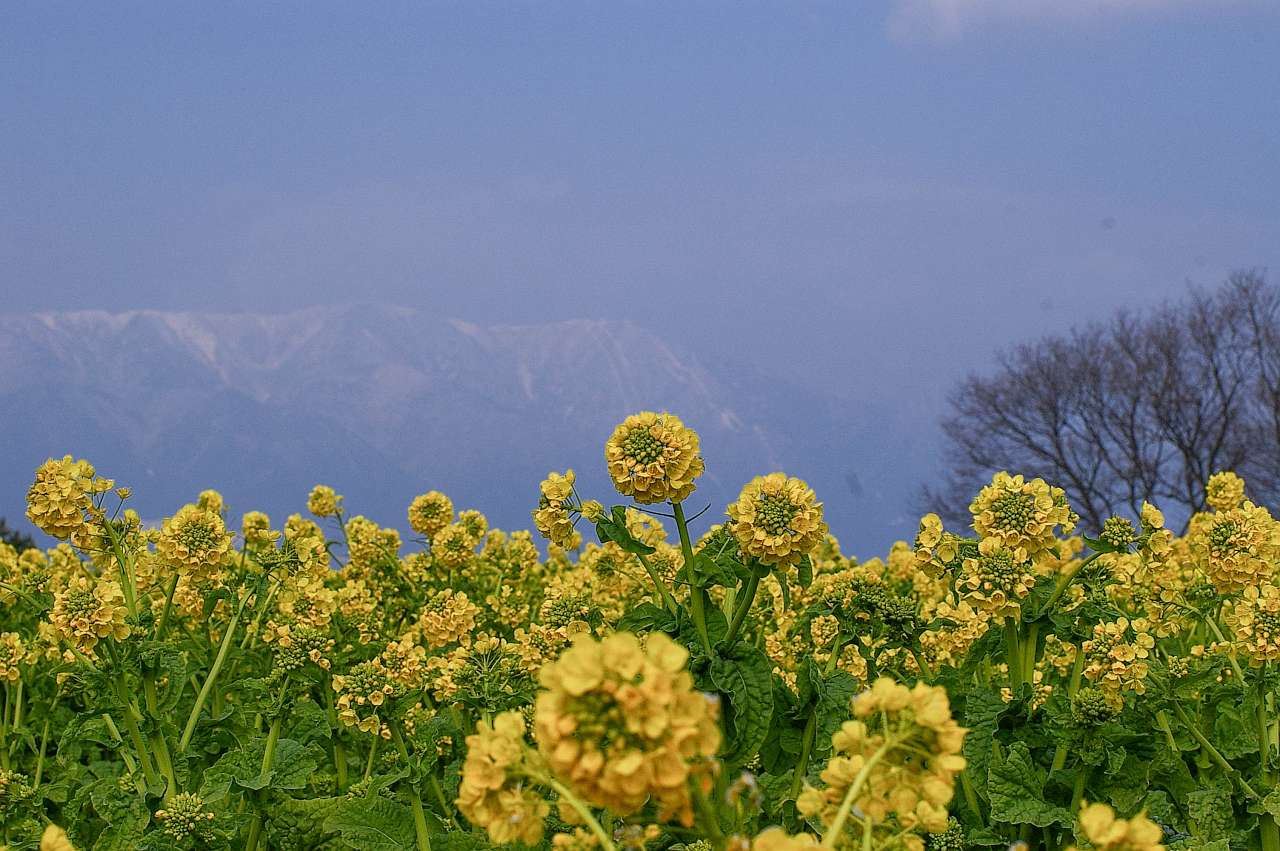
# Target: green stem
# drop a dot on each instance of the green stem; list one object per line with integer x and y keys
{"x": 806, "y": 745}
{"x": 1267, "y": 826}
{"x": 44, "y": 738}
{"x": 368, "y": 765}
{"x": 1213, "y": 752}
{"x": 1064, "y": 581}
{"x": 668, "y": 602}
{"x": 740, "y": 615}
{"x": 138, "y": 783}
{"x": 209, "y": 680}
{"x": 583, "y": 810}
{"x": 970, "y": 796}
{"x": 4, "y": 729}
{"x": 268, "y": 759}
{"x": 339, "y": 751}
{"x": 163, "y": 623}
{"x": 419, "y": 814}
{"x": 1013, "y": 653}
{"x": 696, "y": 602}
{"x": 1077, "y": 671}
{"x": 832, "y": 836}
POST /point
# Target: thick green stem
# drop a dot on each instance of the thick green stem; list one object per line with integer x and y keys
{"x": 44, "y": 738}
{"x": 373, "y": 754}
{"x": 740, "y": 615}
{"x": 419, "y": 814}
{"x": 139, "y": 783}
{"x": 1213, "y": 752}
{"x": 832, "y": 836}
{"x": 1064, "y": 581}
{"x": 668, "y": 602}
{"x": 1267, "y": 826}
{"x": 697, "y": 603}
{"x": 606, "y": 842}
{"x": 1013, "y": 653}
{"x": 211, "y": 679}
{"x": 1077, "y": 671}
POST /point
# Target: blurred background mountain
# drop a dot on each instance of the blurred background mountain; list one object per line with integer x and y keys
{"x": 384, "y": 403}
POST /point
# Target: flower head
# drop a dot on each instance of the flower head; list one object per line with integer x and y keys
{"x": 654, "y": 458}
{"x": 1021, "y": 513}
{"x": 1224, "y": 491}
{"x": 1105, "y": 832}
{"x": 883, "y": 749}
{"x": 61, "y": 495}
{"x": 621, "y": 723}
{"x": 85, "y": 612}
{"x": 194, "y": 541}
{"x": 55, "y": 839}
{"x": 493, "y": 794}
{"x": 184, "y": 818}
{"x": 324, "y": 501}
{"x": 1238, "y": 548}
{"x": 777, "y": 519}
{"x": 430, "y": 512}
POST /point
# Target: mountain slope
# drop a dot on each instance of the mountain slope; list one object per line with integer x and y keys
{"x": 384, "y": 403}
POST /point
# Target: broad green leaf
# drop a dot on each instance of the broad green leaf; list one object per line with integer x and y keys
{"x": 373, "y": 824}
{"x": 1015, "y": 785}
{"x": 745, "y": 678}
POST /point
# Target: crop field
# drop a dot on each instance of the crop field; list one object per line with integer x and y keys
{"x": 640, "y": 672}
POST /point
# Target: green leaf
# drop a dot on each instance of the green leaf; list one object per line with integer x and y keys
{"x": 373, "y": 824}
{"x": 647, "y": 617}
{"x": 613, "y": 528}
{"x": 709, "y": 572}
{"x": 292, "y": 766}
{"x": 1015, "y": 785}
{"x": 745, "y": 677}
{"x": 982, "y": 713}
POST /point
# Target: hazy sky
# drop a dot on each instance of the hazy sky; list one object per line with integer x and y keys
{"x": 868, "y": 194}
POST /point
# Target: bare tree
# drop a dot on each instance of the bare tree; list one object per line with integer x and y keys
{"x": 1145, "y": 406}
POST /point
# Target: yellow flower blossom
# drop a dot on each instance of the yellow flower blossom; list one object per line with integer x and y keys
{"x": 1224, "y": 491}
{"x": 194, "y": 541}
{"x": 62, "y": 494}
{"x": 1021, "y": 514}
{"x": 654, "y": 458}
{"x": 879, "y": 749}
{"x": 621, "y": 723}
{"x": 1105, "y": 832}
{"x": 777, "y": 519}
{"x": 494, "y": 793}
{"x": 84, "y": 612}
{"x": 324, "y": 501}
{"x": 430, "y": 512}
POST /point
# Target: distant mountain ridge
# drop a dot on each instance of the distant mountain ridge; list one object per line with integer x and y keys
{"x": 387, "y": 402}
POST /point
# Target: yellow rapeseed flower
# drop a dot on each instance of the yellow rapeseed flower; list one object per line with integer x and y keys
{"x": 777, "y": 519}
{"x": 654, "y": 458}
{"x": 621, "y": 723}
{"x": 1255, "y": 618}
{"x": 430, "y": 512}
{"x": 491, "y": 794}
{"x": 84, "y": 612}
{"x": 1021, "y": 514}
{"x": 1224, "y": 491}
{"x": 55, "y": 839}
{"x": 1237, "y": 548}
{"x": 324, "y": 501}
{"x": 881, "y": 746}
{"x": 194, "y": 541}
{"x": 61, "y": 495}
{"x": 1105, "y": 832}
{"x": 13, "y": 654}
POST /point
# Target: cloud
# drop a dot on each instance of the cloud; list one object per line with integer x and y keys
{"x": 950, "y": 20}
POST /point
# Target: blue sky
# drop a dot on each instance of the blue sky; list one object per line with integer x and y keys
{"x": 871, "y": 195}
